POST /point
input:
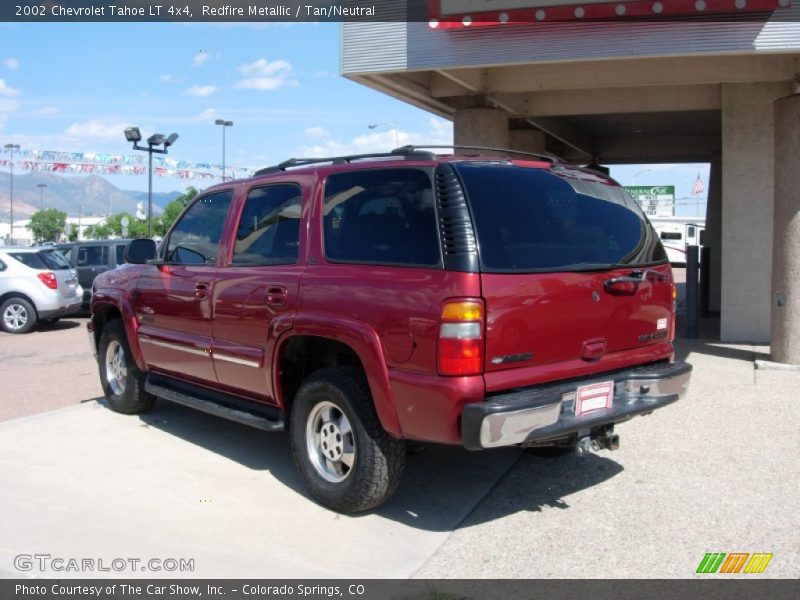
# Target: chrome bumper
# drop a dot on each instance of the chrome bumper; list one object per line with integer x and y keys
{"x": 544, "y": 412}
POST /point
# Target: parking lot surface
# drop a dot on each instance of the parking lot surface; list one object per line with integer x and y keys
{"x": 716, "y": 472}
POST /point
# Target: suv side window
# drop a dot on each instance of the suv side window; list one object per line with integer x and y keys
{"x": 269, "y": 228}
{"x": 120, "y": 254}
{"x": 381, "y": 216}
{"x": 195, "y": 238}
{"x": 92, "y": 256}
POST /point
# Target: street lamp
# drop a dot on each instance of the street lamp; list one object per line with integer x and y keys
{"x": 132, "y": 134}
{"x": 394, "y": 126}
{"x": 41, "y": 187}
{"x": 639, "y": 173}
{"x": 224, "y": 124}
{"x": 10, "y": 148}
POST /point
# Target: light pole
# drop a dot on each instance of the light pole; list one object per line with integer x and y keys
{"x": 41, "y": 187}
{"x": 224, "y": 124}
{"x": 10, "y": 148}
{"x": 639, "y": 173}
{"x": 132, "y": 134}
{"x": 394, "y": 126}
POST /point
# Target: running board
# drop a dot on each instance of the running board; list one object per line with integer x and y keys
{"x": 213, "y": 403}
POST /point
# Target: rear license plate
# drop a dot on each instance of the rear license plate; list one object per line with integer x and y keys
{"x": 597, "y": 396}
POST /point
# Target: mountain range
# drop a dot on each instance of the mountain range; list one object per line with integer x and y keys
{"x": 89, "y": 195}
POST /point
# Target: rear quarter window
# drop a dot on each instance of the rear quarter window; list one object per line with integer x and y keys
{"x": 29, "y": 259}
{"x": 381, "y": 216}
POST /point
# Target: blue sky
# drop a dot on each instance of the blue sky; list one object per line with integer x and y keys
{"x": 74, "y": 87}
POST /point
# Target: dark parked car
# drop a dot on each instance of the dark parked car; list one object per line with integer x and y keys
{"x": 363, "y": 301}
{"x": 92, "y": 257}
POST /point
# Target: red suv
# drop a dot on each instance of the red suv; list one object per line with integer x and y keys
{"x": 365, "y": 301}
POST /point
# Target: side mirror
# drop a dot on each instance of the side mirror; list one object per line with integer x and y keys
{"x": 140, "y": 251}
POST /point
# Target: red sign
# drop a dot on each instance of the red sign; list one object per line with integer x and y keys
{"x": 448, "y": 14}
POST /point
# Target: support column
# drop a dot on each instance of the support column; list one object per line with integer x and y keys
{"x": 527, "y": 140}
{"x": 714, "y": 233}
{"x": 786, "y": 234}
{"x": 486, "y": 127}
{"x": 748, "y": 191}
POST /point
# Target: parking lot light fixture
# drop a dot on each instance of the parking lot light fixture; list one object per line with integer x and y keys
{"x": 224, "y": 125}
{"x": 10, "y": 148}
{"x": 132, "y": 134}
{"x": 41, "y": 187}
{"x": 394, "y": 126}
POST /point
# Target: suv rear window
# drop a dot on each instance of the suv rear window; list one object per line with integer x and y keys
{"x": 532, "y": 219}
{"x": 55, "y": 260}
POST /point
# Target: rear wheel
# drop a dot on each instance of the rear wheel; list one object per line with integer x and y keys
{"x": 344, "y": 456}
{"x": 123, "y": 382}
{"x": 17, "y": 315}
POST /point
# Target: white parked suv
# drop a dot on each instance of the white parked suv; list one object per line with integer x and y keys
{"x": 36, "y": 284}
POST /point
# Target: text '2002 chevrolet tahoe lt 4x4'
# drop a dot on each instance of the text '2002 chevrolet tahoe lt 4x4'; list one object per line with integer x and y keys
{"x": 363, "y": 301}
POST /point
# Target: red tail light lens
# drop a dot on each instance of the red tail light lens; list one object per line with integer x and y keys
{"x": 461, "y": 338}
{"x": 49, "y": 279}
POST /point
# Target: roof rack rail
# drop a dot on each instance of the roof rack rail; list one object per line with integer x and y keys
{"x": 340, "y": 160}
{"x": 403, "y": 150}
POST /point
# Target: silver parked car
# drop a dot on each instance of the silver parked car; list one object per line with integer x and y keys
{"x": 36, "y": 284}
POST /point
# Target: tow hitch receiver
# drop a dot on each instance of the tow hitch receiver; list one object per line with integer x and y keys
{"x": 599, "y": 439}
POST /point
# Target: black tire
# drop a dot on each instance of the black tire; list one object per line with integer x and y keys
{"x": 125, "y": 393}
{"x": 17, "y": 315}
{"x": 377, "y": 459}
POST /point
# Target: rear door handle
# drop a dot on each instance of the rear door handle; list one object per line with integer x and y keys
{"x": 277, "y": 295}
{"x": 201, "y": 290}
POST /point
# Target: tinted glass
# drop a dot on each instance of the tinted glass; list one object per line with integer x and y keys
{"x": 269, "y": 228}
{"x": 55, "y": 260}
{"x": 532, "y": 219}
{"x": 384, "y": 216}
{"x": 2, "y": 266}
{"x": 195, "y": 238}
{"x": 671, "y": 235}
{"x": 29, "y": 259}
{"x": 120, "y": 254}
{"x": 92, "y": 256}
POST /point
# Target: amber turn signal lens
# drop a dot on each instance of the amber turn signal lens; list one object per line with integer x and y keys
{"x": 462, "y": 311}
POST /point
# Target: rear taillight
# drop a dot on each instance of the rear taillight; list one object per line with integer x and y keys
{"x": 461, "y": 338}
{"x": 49, "y": 279}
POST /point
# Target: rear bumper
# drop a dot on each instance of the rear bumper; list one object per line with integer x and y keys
{"x": 548, "y": 412}
{"x": 61, "y": 311}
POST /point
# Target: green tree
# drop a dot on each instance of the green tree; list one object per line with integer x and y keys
{"x": 173, "y": 210}
{"x": 47, "y": 225}
{"x": 72, "y": 236}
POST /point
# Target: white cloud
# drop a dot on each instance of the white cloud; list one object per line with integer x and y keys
{"x": 439, "y": 133}
{"x": 316, "y": 132}
{"x": 201, "y": 91}
{"x": 167, "y": 78}
{"x": 208, "y": 114}
{"x": 7, "y": 90}
{"x": 265, "y": 75}
{"x": 98, "y": 129}
{"x": 11, "y": 63}
{"x": 46, "y": 111}
{"x": 201, "y": 58}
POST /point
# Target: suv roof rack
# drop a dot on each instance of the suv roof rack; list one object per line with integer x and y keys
{"x": 410, "y": 151}
{"x": 340, "y": 160}
{"x": 403, "y": 150}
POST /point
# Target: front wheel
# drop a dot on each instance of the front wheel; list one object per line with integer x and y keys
{"x": 344, "y": 456}
{"x": 123, "y": 382}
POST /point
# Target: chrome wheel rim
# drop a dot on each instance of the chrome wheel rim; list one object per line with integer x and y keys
{"x": 330, "y": 442}
{"x": 15, "y": 316}
{"x": 116, "y": 369}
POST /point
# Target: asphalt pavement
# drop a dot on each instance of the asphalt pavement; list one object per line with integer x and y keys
{"x": 716, "y": 472}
